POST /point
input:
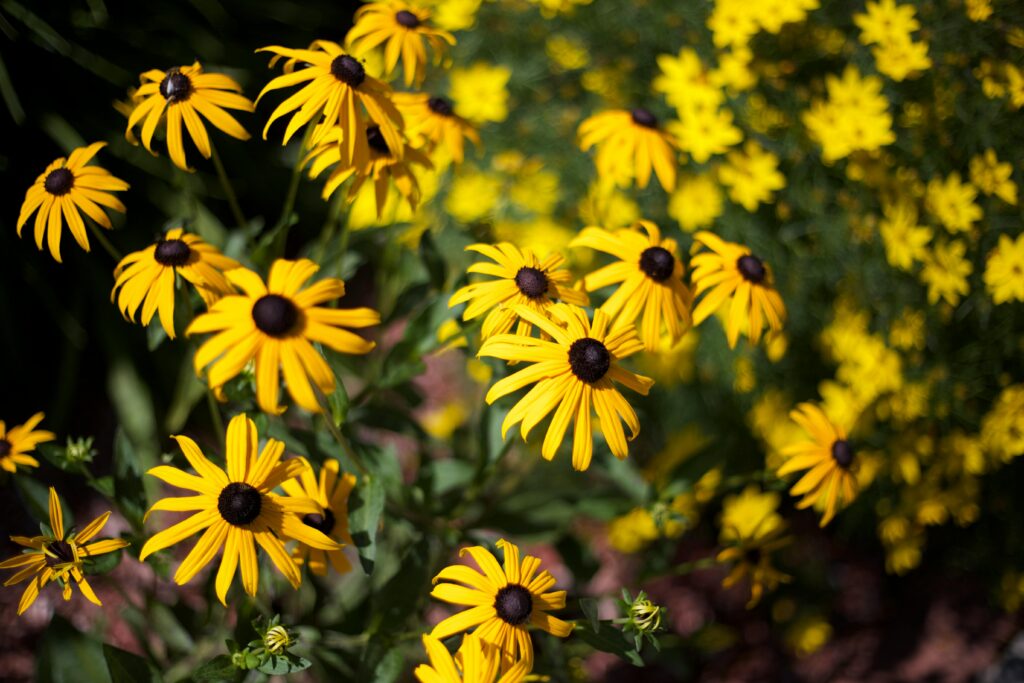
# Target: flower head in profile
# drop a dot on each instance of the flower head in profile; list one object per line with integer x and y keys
{"x": 59, "y": 556}
{"x": 236, "y": 510}
{"x": 147, "y": 278}
{"x": 383, "y": 166}
{"x": 503, "y": 603}
{"x": 275, "y": 324}
{"x": 828, "y": 460}
{"x": 521, "y": 279}
{"x": 183, "y": 96}
{"x": 630, "y": 144}
{"x": 403, "y": 30}
{"x": 729, "y": 272}
{"x": 330, "y": 491}
{"x": 63, "y": 192}
{"x": 650, "y": 278}
{"x": 476, "y": 662}
{"x": 752, "y": 530}
{"x": 17, "y": 442}
{"x": 431, "y": 123}
{"x": 574, "y": 372}
{"x": 339, "y": 93}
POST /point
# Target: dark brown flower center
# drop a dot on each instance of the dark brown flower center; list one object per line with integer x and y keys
{"x": 514, "y": 604}
{"x": 753, "y": 556}
{"x": 5, "y": 448}
{"x": 842, "y": 453}
{"x": 440, "y": 105}
{"x": 275, "y": 315}
{"x": 176, "y": 86}
{"x": 61, "y": 553}
{"x": 348, "y": 70}
{"x": 657, "y": 263}
{"x": 751, "y": 268}
{"x": 589, "y": 359}
{"x": 323, "y": 523}
{"x": 239, "y": 503}
{"x": 59, "y": 181}
{"x": 172, "y": 253}
{"x": 532, "y": 282}
{"x": 407, "y": 19}
{"x": 643, "y": 117}
{"x": 376, "y": 140}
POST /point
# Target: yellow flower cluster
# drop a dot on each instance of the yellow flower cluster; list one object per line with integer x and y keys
{"x": 888, "y": 27}
{"x": 854, "y": 117}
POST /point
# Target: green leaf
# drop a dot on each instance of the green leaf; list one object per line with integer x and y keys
{"x": 607, "y": 638}
{"x": 66, "y": 655}
{"x": 217, "y": 670}
{"x": 284, "y": 664}
{"x": 365, "y": 508}
{"x": 589, "y": 607}
{"x": 125, "y": 667}
{"x": 37, "y": 499}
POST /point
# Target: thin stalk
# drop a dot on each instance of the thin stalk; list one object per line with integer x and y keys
{"x": 114, "y": 252}
{"x": 330, "y": 225}
{"x": 229, "y": 189}
{"x": 283, "y": 223}
{"x": 346, "y": 447}
{"x": 215, "y": 417}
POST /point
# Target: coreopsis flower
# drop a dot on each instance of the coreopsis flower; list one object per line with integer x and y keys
{"x": 522, "y": 279}
{"x": 63, "y": 192}
{"x": 855, "y": 117}
{"x": 477, "y": 662}
{"x": 696, "y": 202}
{"x": 952, "y": 202}
{"x": 339, "y": 93}
{"x": 902, "y": 60}
{"x": 828, "y": 461}
{"x": 704, "y": 132}
{"x": 187, "y": 96}
{"x": 630, "y": 144}
{"x": 730, "y": 272}
{"x": 751, "y": 530}
{"x": 431, "y": 122}
{"x": 1004, "y": 270}
{"x": 905, "y": 241}
{"x": 236, "y": 509}
{"x": 502, "y": 603}
{"x": 59, "y": 556}
{"x": 147, "y": 278}
{"x": 572, "y": 371}
{"x": 994, "y": 177}
{"x": 650, "y": 277}
{"x": 886, "y": 22}
{"x": 17, "y": 442}
{"x": 1002, "y": 427}
{"x": 331, "y": 492}
{"x": 384, "y": 166}
{"x": 685, "y": 82}
{"x": 275, "y": 324}
{"x": 945, "y": 272}
{"x": 404, "y": 30}
{"x": 480, "y": 92}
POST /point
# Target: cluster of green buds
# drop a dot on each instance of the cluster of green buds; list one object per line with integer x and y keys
{"x": 80, "y": 450}
{"x": 270, "y": 652}
{"x": 643, "y": 619}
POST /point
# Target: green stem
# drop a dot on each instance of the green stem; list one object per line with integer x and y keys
{"x": 284, "y": 222}
{"x": 105, "y": 243}
{"x": 229, "y": 190}
{"x": 327, "y": 231}
{"x": 215, "y": 417}
{"x": 346, "y": 447}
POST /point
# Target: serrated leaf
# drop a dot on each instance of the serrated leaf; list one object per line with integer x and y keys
{"x": 285, "y": 664}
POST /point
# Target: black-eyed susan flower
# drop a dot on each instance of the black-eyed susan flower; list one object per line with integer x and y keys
{"x": 236, "y": 510}
{"x": 186, "y": 96}
{"x": 522, "y": 279}
{"x": 752, "y": 530}
{"x": 17, "y": 442}
{"x": 830, "y": 481}
{"x": 147, "y": 278}
{"x": 573, "y": 371}
{"x": 339, "y": 93}
{"x": 651, "y": 277}
{"x": 477, "y": 662}
{"x": 383, "y": 167}
{"x": 502, "y": 603}
{"x": 730, "y": 272}
{"x": 403, "y": 30}
{"x": 431, "y": 122}
{"x": 275, "y": 324}
{"x": 629, "y": 145}
{"x": 64, "y": 191}
{"x": 331, "y": 492}
{"x": 58, "y": 556}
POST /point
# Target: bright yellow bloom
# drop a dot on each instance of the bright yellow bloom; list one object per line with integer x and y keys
{"x": 830, "y": 481}
{"x": 945, "y": 272}
{"x": 902, "y": 60}
{"x": 403, "y": 30}
{"x": 734, "y": 73}
{"x": 1002, "y": 427}
{"x": 573, "y": 370}
{"x": 147, "y": 278}
{"x": 994, "y": 177}
{"x": 236, "y": 509}
{"x": 685, "y": 82}
{"x": 502, "y": 603}
{"x": 566, "y": 53}
{"x": 650, "y": 278}
{"x": 274, "y": 324}
{"x": 751, "y": 176}
{"x": 1004, "y": 271}
{"x": 751, "y": 530}
{"x": 55, "y": 556}
{"x": 696, "y": 202}
{"x": 455, "y": 15}
{"x": 703, "y": 132}
{"x": 952, "y": 203}
{"x": 339, "y": 93}
{"x": 17, "y": 442}
{"x": 477, "y": 662}
{"x": 480, "y": 92}
{"x": 473, "y": 195}
{"x": 68, "y": 187}
{"x": 854, "y": 117}
{"x": 630, "y": 144}
{"x": 905, "y": 241}
{"x": 607, "y": 205}
{"x": 886, "y": 22}
{"x": 431, "y": 121}
{"x": 522, "y": 280}
{"x": 732, "y": 23}
{"x": 552, "y": 8}
{"x": 184, "y": 93}
{"x": 331, "y": 493}
{"x": 730, "y": 272}
{"x": 750, "y": 515}
{"x": 979, "y": 10}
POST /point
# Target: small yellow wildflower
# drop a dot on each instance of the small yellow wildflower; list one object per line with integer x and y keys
{"x": 945, "y": 272}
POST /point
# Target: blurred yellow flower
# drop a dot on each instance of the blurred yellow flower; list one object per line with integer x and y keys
{"x": 703, "y": 132}
{"x": 994, "y": 177}
{"x": 905, "y": 241}
{"x": 480, "y": 92}
{"x": 901, "y": 60}
{"x": 854, "y": 117}
{"x": 696, "y": 202}
{"x": 808, "y": 635}
{"x": 751, "y": 176}
{"x": 606, "y": 205}
{"x": 951, "y": 202}
{"x": 945, "y": 272}
{"x": 978, "y": 10}
{"x": 472, "y": 195}
{"x": 886, "y": 22}
{"x": 566, "y": 53}
{"x": 1004, "y": 270}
